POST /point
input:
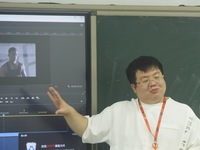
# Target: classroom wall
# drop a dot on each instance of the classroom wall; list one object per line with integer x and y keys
{"x": 117, "y": 2}
{"x": 112, "y": 77}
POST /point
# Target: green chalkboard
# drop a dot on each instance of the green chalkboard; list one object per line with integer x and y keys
{"x": 175, "y": 41}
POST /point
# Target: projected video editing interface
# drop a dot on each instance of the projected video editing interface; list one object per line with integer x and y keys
{"x": 52, "y": 50}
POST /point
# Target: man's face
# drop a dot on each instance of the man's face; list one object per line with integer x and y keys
{"x": 13, "y": 56}
{"x": 150, "y": 86}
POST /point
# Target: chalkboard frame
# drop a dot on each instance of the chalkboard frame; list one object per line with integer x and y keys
{"x": 116, "y": 43}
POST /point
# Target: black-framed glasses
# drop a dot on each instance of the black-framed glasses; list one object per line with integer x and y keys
{"x": 146, "y": 80}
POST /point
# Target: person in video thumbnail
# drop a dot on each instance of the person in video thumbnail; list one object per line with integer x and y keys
{"x": 12, "y": 68}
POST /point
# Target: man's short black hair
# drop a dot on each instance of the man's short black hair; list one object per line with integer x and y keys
{"x": 12, "y": 49}
{"x": 142, "y": 63}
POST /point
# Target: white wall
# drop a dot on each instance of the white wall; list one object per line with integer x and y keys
{"x": 116, "y": 2}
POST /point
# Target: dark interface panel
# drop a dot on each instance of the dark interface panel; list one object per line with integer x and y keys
{"x": 52, "y": 52}
{"x": 38, "y": 133}
{"x": 38, "y": 50}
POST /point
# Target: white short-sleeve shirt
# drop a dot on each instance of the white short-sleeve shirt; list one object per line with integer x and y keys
{"x": 122, "y": 126}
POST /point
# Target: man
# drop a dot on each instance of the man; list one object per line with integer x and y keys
{"x": 12, "y": 68}
{"x": 152, "y": 121}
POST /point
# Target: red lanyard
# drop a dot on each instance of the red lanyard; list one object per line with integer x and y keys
{"x": 154, "y": 145}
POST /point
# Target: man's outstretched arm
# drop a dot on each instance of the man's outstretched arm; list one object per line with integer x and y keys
{"x": 77, "y": 122}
